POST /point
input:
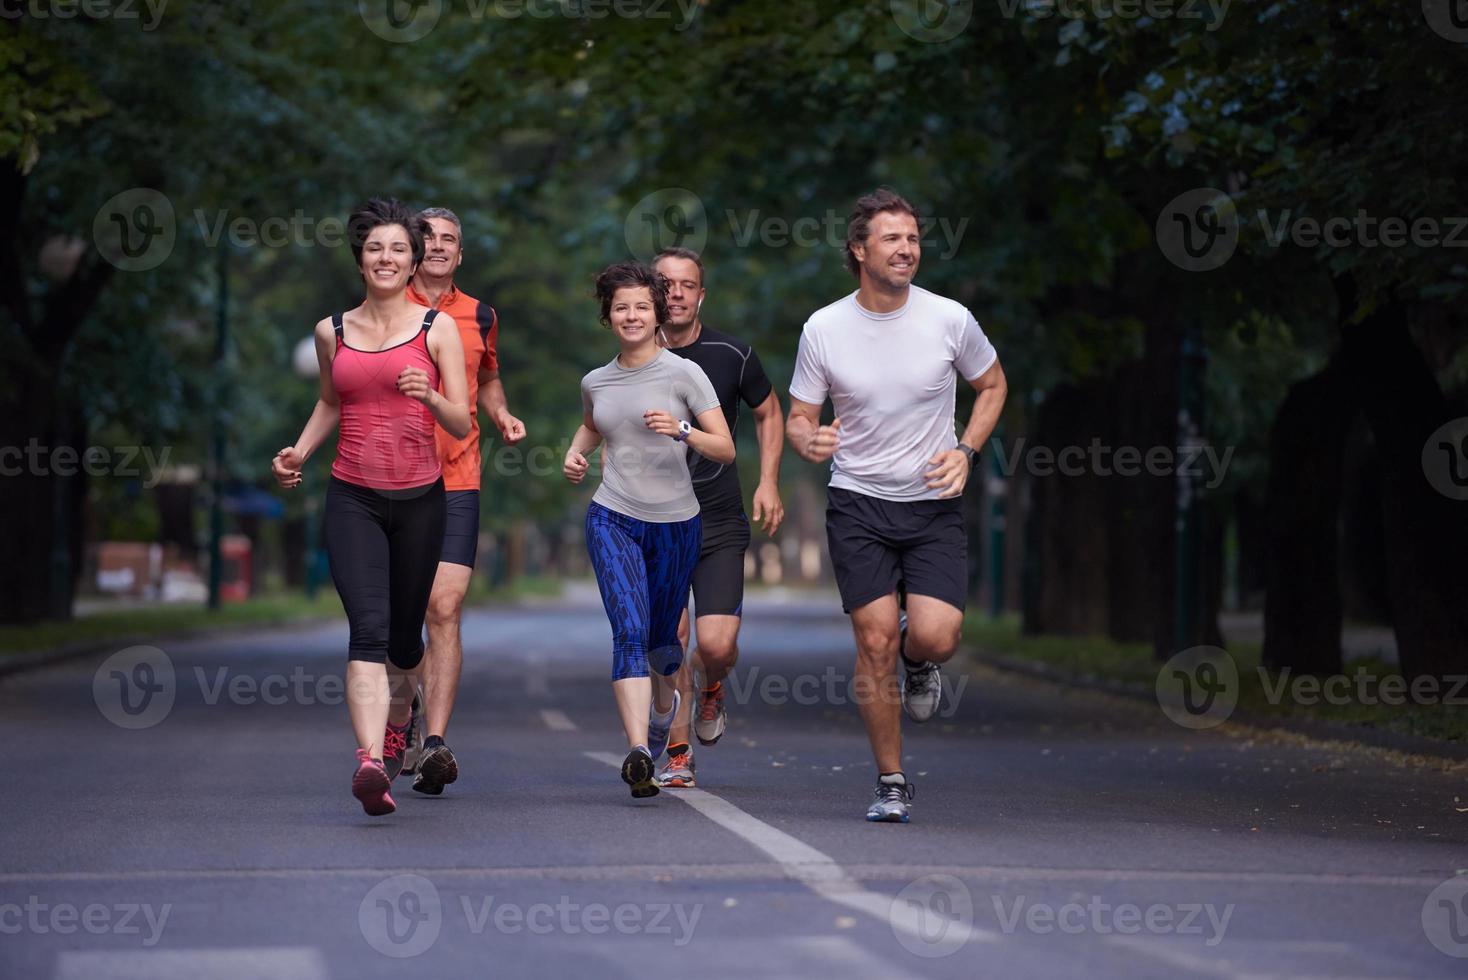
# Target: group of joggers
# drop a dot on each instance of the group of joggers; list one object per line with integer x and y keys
{"x": 402, "y": 505}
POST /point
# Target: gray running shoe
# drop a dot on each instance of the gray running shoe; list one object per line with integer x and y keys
{"x": 893, "y": 794}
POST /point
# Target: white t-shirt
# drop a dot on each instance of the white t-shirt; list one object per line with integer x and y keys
{"x": 890, "y": 377}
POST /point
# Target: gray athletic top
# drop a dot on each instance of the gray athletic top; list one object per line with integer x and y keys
{"x": 644, "y": 474}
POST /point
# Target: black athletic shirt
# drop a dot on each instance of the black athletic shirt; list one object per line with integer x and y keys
{"x": 736, "y": 373}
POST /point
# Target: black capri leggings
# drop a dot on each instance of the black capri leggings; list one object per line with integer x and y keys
{"x": 384, "y": 546}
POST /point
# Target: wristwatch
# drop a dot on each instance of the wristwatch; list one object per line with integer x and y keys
{"x": 971, "y": 453}
{"x": 683, "y": 429}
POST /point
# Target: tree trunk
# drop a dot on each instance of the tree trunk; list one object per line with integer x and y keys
{"x": 1307, "y": 445}
{"x": 1426, "y": 531}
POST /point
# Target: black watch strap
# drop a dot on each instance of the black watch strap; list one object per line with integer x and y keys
{"x": 971, "y": 453}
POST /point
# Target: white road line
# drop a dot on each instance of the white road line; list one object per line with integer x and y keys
{"x": 1157, "y": 949}
{"x": 556, "y": 720}
{"x": 244, "y": 963}
{"x": 817, "y": 871}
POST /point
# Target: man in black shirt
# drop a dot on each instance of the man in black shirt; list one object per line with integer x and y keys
{"x": 718, "y": 580}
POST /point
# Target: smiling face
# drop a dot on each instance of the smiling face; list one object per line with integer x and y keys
{"x": 889, "y": 256}
{"x": 633, "y": 316}
{"x": 685, "y": 291}
{"x": 387, "y": 258}
{"x": 443, "y": 249}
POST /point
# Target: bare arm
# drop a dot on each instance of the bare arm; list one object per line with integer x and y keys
{"x": 584, "y": 441}
{"x": 815, "y": 443}
{"x": 951, "y": 469}
{"x": 287, "y": 463}
{"x": 497, "y": 409}
{"x": 769, "y": 428}
{"x": 450, "y": 409}
{"x": 711, "y": 440}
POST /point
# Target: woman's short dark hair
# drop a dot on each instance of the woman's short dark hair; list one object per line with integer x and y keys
{"x": 381, "y": 211}
{"x": 859, "y": 225}
{"x": 625, "y": 275}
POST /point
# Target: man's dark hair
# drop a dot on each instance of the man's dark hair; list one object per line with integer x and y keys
{"x": 681, "y": 253}
{"x": 381, "y": 211}
{"x": 623, "y": 275}
{"x": 859, "y": 224}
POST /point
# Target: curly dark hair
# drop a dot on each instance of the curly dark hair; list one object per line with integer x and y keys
{"x": 624, "y": 275}
{"x": 859, "y": 224}
{"x": 381, "y": 211}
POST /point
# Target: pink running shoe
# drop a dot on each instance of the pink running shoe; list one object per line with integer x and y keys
{"x": 370, "y": 786}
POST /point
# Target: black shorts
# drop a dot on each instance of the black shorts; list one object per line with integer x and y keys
{"x": 718, "y": 578}
{"x": 878, "y": 544}
{"x": 461, "y": 527}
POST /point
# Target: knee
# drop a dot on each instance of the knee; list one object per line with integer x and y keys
{"x": 719, "y": 655}
{"x": 683, "y": 634}
{"x": 444, "y": 609}
{"x": 932, "y": 643}
{"x": 876, "y": 644}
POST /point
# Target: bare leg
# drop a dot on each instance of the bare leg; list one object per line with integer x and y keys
{"x": 875, "y": 683}
{"x": 634, "y": 699}
{"x": 681, "y": 725}
{"x": 933, "y": 629}
{"x": 367, "y": 695}
{"x": 443, "y": 661}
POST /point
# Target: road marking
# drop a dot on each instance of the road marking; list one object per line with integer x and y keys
{"x": 245, "y": 963}
{"x": 817, "y": 871}
{"x": 556, "y": 720}
{"x": 1154, "y": 947}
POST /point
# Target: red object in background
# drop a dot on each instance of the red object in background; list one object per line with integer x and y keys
{"x": 234, "y": 568}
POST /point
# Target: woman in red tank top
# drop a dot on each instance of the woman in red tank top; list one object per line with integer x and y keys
{"x": 380, "y": 387}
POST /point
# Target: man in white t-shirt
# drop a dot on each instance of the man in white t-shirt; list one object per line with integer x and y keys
{"x": 886, "y": 356}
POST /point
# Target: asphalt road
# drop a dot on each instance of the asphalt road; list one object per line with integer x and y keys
{"x": 206, "y": 829}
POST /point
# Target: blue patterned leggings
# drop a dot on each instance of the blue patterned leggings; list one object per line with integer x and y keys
{"x": 643, "y": 570}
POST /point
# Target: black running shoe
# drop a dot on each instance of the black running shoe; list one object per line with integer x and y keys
{"x": 436, "y": 769}
{"x": 638, "y": 772}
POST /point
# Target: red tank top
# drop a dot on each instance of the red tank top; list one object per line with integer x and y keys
{"x": 386, "y": 440}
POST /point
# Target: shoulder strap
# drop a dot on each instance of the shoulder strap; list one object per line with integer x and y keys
{"x": 336, "y": 324}
{"x": 428, "y": 320}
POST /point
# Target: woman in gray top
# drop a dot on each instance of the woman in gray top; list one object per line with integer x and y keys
{"x": 642, "y": 528}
